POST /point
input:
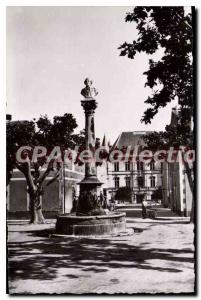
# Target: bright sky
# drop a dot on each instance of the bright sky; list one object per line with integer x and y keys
{"x": 51, "y": 50}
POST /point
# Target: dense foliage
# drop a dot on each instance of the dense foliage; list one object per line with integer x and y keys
{"x": 171, "y": 77}
{"x": 123, "y": 194}
{"x": 41, "y": 132}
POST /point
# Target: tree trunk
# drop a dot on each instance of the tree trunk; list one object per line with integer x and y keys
{"x": 36, "y": 209}
{"x": 191, "y": 184}
{"x": 192, "y": 211}
{"x": 34, "y": 190}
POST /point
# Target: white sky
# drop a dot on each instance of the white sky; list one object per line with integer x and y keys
{"x": 51, "y": 50}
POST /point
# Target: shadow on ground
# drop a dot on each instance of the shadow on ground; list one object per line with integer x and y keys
{"x": 41, "y": 259}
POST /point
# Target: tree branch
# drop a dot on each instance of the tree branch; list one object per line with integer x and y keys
{"x": 25, "y": 168}
{"x": 54, "y": 178}
{"x": 45, "y": 174}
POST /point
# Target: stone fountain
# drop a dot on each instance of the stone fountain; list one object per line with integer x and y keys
{"x": 90, "y": 218}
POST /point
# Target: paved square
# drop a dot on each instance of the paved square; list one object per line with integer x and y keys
{"x": 158, "y": 257}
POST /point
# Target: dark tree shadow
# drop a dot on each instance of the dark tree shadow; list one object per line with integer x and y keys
{"x": 41, "y": 259}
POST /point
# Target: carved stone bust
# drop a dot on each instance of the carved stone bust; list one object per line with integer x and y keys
{"x": 89, "y": 92}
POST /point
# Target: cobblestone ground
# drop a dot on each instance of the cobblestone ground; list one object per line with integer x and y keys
{"x": 158, "y": 257}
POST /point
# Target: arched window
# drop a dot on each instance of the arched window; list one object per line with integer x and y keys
{"x": 153, "y": 181}
{"x": 140, "y": 166}
{"x": 140, "y": 181}
{"x": 128, "y": 181}
{"x": 116, "y": 182}
{"x": 152, "y": 166}
{"x": 116, "y": 167}
{"x": 127, "y": 166}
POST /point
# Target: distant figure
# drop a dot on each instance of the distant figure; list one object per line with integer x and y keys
{"x": 75, "y": 203}
{"x": 103, "y": 201}
{"x": 112, "y": 203}
{"x": 107, "y": 202}
{"x": 101, "y": 198}
{"x": 144, "y": 209}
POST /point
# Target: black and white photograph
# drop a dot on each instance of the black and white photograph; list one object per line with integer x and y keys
{"x": 101, "y": 150}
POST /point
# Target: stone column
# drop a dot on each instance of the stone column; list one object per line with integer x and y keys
{"x": 88, "y": 199}
{"x": 89, "y": 109}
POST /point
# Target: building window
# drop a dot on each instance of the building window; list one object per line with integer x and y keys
{"x": 140, "y": 181}
{"x": 116, "y": 167}
{"x": 127, "y": 166}
{"x": 140, "y": 166}
{"x": 128, "y": 182}
{"x": 153, "y": 181}
{"x": 152, "y": 166}
{"x": 116, "y": 182}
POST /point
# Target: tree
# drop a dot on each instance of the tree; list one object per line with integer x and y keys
{"x": 41, "y": 132}
{"x": 123, "y": 194}
{"x": 171, "y": 77}
{"x": 168, "y": 28}
{"x": 157, "y": 194}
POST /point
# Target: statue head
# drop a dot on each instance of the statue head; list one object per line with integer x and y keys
{"x": 88, "y": 82}
{"x": 89, "y": 91}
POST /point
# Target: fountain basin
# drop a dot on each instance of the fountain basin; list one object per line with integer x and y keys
{"x": 70, "y": 224}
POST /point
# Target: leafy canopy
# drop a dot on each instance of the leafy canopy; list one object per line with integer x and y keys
{"x": 169, "y": 28}
{"x": 41, "y": 132}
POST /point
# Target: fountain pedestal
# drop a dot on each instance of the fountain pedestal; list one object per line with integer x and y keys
{"x": 88, "y": 200}
{"x": 112, "y": 223}
{"x": 90, "y": 218}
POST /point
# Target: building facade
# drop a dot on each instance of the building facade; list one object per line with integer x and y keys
{"x": 144, "y": 179}
{"x": 167, "y": 182}
{"x": 177, "y": 193}
{"x": 57, "y": 197}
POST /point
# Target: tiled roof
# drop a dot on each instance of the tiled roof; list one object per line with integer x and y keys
{"x": 130, "y": 138}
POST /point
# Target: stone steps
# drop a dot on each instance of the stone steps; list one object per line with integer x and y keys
{"x": 137, "y": 212}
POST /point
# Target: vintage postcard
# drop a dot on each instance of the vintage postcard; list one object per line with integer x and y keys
{"x": 100, "y": 133}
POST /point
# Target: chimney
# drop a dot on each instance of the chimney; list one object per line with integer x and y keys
{"x": 8, "y": 117}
